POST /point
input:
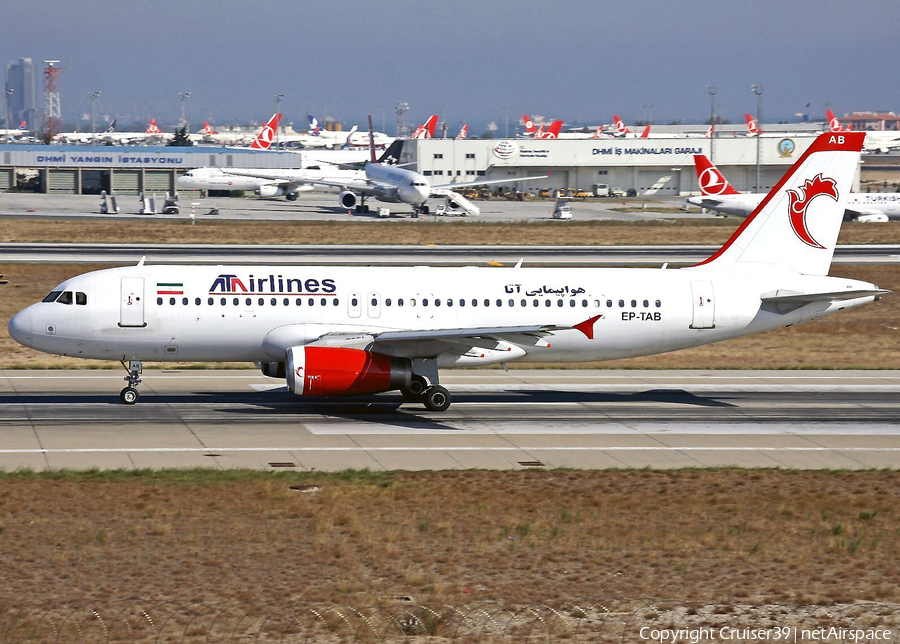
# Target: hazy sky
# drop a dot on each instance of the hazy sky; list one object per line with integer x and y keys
{"x": 465, "y": 59}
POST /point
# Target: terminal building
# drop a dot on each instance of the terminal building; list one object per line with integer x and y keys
{"x": 88, "y": 169}
{"x": 651, "y": 167}
{"x": 661, "y": 166}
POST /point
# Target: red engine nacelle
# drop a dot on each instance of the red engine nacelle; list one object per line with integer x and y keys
{"x": 336, "y": 371}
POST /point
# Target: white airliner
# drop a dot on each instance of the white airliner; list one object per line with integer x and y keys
{"x": 876, "y": 141}
{"x": 332, "y": 331}
{"x": 274, "y": 182}
{"x": 719, "y": 195}
{"x": 390, "y": 183}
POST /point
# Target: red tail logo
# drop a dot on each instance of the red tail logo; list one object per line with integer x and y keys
{"x": 153, "y": 128}
{"x": 712, "y": 182}
{"x": 464, "y": 132}
{"x": 752, "y": 125}
{"x": 267, "y": 135}
{"x": 621, "y": 128}
{"x": 529, "y": 124}
{"x": 799, "y": 201}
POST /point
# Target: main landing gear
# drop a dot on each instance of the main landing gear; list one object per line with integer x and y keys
{"x": 130, "y": 395}
{"x": 434, "y": 397}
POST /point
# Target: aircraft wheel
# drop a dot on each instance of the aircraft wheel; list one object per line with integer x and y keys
{"x": 417, "y": 387}
{"x": 437, "y": 398}
{"x": 365, "y": 209}
{"x": 129, "y": 395}
{"x": 424, "y": 210}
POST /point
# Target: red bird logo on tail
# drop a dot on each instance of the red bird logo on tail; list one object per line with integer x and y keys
{"x": 799, "y": 200}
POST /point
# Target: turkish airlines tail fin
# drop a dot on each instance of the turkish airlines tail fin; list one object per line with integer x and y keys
{"x": 553, "y": 131}
{"x": 153, "y": 128}
{"x": 599, "y": 132}
{"x": 207, "y": 128}
{"x": 529, "y": 124}
{"x": 463, "y": 132}
{"x": 834, "y": 125}
{"x": 426, "y": 130}
{"x": 712, "y": 182}
{"x": 796, "y": 225}
{"x": 752, "y": 125}
{"x": 709, "y": 132}
{"x": 621, "y": 128}
{"x": 23, "y": 125}
{"x": 646, "y": 133}
{"x": 265, "y": 137}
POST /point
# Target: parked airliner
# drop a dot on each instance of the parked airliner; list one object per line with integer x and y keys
{"x": 880, "y": 142}
{"x": 331, "y": 331}
{"x": 390, "y": 183}
{"x": 719, "y": 195}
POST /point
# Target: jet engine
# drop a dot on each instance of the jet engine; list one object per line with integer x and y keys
{"x": 272, "y": 369}
{"x": 874, "y": 218}
{"x": 269, "y": 190}
{"x": 339, "y": 371}
{"x": 347, "y": 199}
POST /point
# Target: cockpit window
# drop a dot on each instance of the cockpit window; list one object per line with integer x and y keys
{"x": 51, "y": 296}
{"x": 65, "y": 298}
{"x": 80, "y": 298}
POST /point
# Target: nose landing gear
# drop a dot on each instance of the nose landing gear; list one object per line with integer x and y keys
{"x": 130, "y": 395}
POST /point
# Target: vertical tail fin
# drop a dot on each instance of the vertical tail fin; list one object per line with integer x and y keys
{"x": 646, "y": 133}
{"x": 529, "y": 124}
{"x": 834, "y": 125}
{"x": 599, "y": 132}
{"x": 463, "y": 132}
{"x": 752, "y": 125}
{"x": 313, "y": 124}
{"x": 711, "y": 180}
{"x": 796, "y": 225}
{"x": 709, "y": 132}
{"x": 153, "y": 128}
{"x": 621, "y": 128}
{"x": 265, "y": 137}
{"x": 553, "y": 131}
{"x": 374, "y": 159}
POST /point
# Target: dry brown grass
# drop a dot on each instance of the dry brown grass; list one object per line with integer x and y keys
{"x": 867, "y": 337}
{"x": 404, "y": 232}
{"x": 521, "y": 537}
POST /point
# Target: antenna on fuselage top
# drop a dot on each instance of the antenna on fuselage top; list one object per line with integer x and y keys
{"x": 372, "y": 141}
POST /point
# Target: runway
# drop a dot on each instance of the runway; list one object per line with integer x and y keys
{"x": 521, "y": 419}
{"x": 297, "y": 254}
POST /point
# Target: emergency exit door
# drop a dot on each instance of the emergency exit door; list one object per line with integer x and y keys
{"x": 131, "y": 311}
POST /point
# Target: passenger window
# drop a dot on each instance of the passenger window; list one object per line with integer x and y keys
{"x": 571, "y": 303}
{"x": 159, "y": 300}
{"x": 512, "y": 302}
{"x": 286, "y": 301}
{"x": 412, "y": 301}
{"x": 546, "y": 302}
{"x": 197, "y": 301}
{"x": 584, "y": 303}
{"x": 312, "y": 302}
{"x": 424, "y": 302}
{"x": 462, "y": 302}
{"x": 437, "y": 302}
{"x": 171, "y": 301}
{"x": 535, "y": 302}
{"x": 621, "y": 304}
{"x": 608, "y": 304}
{"x": 354, "y": 302}
{"x": 65, "y": 298}
{"x": 236, "y": 301}
{"x": 499, "y": 302}
{"x": 51, "y": 296}
{"x": 646, "y": 303}
{"x": 273, "y": 301}
{"x": 474, "y": 302}
{"x": 184, "y": 301}
{"x": 400, "y": 302}
{"x": 260, "y": 301}
{"x": 524, "y": 302}
{"x": 487, "y": 302}
{"x": 633, "y": 303}
{"x": 298, "y": 301}
{"x": 596, "y": 304}
{"x": 80, "y": 299}
{"x": 248, "y": 302}
{"x": 387, "y": 301}
{"x": 658, "y": 304}
{"x": 324, "y": 301}
{"x": 334, "y": 301}
{"x": 449, "y": 302}
{"x": 222, "y": 301}
{"x": 559, "y": 302}
{"x": 209, "y": 301}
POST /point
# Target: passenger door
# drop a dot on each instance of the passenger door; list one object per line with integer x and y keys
{"x": 131, "y": 308}
{"x": 704, "y": 305}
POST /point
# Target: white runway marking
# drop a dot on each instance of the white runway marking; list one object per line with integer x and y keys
{"x": 462, "y": 448}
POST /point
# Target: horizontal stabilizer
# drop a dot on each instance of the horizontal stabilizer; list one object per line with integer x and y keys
{"x": 792, "y": 297}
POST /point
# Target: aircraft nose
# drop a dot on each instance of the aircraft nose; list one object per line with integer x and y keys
{"x": 20, "y": 327}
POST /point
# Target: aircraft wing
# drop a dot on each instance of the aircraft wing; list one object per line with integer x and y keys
{"x": 466, "y": 184}
{"x": 366, "y": 187}
{"x": 436, "y": 341}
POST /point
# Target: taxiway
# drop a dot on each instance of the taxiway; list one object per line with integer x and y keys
{"x": 520, "y": 419}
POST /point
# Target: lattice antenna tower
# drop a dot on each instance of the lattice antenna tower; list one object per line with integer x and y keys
{"x": 52, "y": 112}
{"x": 400, "y": 111}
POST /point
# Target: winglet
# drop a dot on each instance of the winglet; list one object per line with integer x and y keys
{"x": 587, "y": 327}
